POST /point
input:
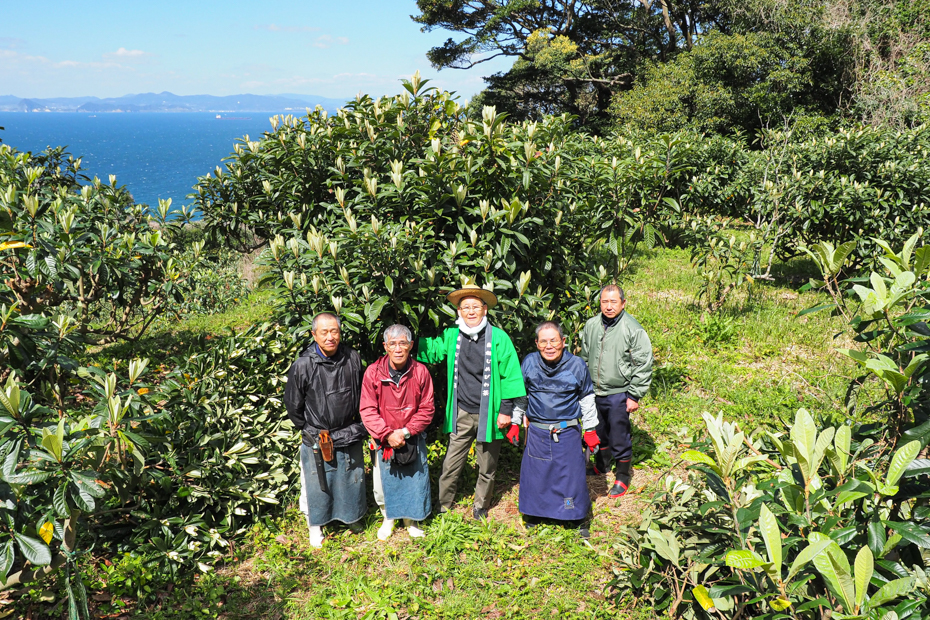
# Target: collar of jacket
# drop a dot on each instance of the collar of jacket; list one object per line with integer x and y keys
{"x": 383, "y": 366}
{"x": 608, "y": 323}
{"x": 316, "y": 354}
{"x": 551, "y": 371}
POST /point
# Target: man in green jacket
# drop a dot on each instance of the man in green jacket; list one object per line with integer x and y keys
{"x": 483, "y": 379}
{"x": 619, "y": 356}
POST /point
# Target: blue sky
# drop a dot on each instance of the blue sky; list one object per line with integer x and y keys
{"x": 107, "y": 49}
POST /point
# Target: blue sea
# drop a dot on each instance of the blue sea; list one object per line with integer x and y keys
{"x": 155, "y": 155}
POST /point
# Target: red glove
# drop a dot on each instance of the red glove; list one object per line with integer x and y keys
{"x": 592, "y": 440}
{"x": 513, "y": 435}
{"x": 388, "y": 453}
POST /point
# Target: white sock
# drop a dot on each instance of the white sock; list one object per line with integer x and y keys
{"x": 412, "y": 529}
{"x": 384, "y": 532}
{"x": 316, "y": 536}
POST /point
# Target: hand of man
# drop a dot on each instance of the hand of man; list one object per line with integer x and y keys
{"x": 388, "y": 453}
{"x": 591, "y": 440}
{"x": 513, "y": 435}
{"x": 396, "y": 439}
{"x": 631, "y": 405}
{"x": 503, "y": 421}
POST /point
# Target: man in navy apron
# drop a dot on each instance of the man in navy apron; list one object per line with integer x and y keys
{"x": 561, "y": 418}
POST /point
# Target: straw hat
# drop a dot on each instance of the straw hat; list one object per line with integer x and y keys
{"x": 470, "y": 290}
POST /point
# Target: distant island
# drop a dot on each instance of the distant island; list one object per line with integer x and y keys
{"x": 169, "y": 102}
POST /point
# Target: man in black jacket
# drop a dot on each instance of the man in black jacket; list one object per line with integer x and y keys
{"x": 322, "y": 400}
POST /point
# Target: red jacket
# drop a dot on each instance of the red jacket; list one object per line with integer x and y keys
{"x": 386, "y": 407}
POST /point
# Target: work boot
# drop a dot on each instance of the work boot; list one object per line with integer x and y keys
{"x": 384, "y": 532}
{"x": 412, "y": 529}
{"x": 480, "y": 514}
{"x": 529, "y": 521}
{"x": 316, "y": 536}
{"x": 622, "y": 483}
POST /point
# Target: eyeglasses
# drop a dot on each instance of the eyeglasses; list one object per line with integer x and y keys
{"x": 403, "y": 344}
{"x": 470, "y": 308}
{"x": 545, "y": 343}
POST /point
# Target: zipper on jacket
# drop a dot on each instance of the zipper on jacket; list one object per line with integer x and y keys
{"x": 600, "y": 356}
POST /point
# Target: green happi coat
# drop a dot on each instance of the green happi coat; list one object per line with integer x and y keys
{"x": 506, "y": 379}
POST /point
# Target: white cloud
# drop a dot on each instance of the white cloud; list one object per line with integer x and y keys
{"x": 127, "y": 54}
{"x": 342, "y": 40}
{"x": 277, "y": 28}
{"x": 17, "y": 57}
{"x": 323, "y": 42}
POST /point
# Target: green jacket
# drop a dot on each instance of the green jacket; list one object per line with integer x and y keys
{"x": 620, "y": 358}
{"x": 506, "y": 377}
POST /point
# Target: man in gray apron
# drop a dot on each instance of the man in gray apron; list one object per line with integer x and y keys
{"x": 322, "y": 400}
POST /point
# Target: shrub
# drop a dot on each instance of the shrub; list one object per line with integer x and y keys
{"x": 888, "y": 312}
{"x": 823, "y": 519}
{"x": 79, "y": 263}
{"x": 376, "y": 210}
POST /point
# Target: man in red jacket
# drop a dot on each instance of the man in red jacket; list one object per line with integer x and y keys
{"x": 396, "y": 407}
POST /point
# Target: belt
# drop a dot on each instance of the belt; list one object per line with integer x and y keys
{"x": 555, "y": 428}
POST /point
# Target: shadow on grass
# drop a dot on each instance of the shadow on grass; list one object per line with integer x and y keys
{"x": 794, "y": 272}
{"x": 667, "y": 380}
{"x": 159, "y": 347}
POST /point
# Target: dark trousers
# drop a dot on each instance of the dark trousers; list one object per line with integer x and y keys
{"x": 613, "y": 429}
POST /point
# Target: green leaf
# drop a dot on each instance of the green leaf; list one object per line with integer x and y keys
{"x": 809, "y": 553}
{"x": 892, "y": 590}
{"x": 373, "y": 310}
{"x": 83, "y": 499}
{"x": 6, "y": 560}
{"x": 890, "y": 544}
{"x": 694, "y": 456}
{"x": 60, "y": 500}
{"x": 841, "y": 443}
{"x": 911, "y": 532}
{"x": 389, "y": 284}
{"x": 855, "y": 354}
{"x": 743, "y": 559}
{"x": 31, "y": 476}
{"x": 839, "y": 257}
{"x": 803, "y": 438}
{"x": 922, "y": 260}
{"x": 917, "y": 467}
{"x": 665, "y": 543}
{"x": 899, "y": 462}
{"x": 835, "y": 569}
{"x": 771, "y": 534}
{"x": 33, "y": 550}
{"x": 864, "y": 566}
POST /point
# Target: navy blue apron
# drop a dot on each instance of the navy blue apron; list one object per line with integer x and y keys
{"x": 552, "y": 475}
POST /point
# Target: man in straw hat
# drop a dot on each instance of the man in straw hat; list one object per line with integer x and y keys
{"x": 484, "y": 378}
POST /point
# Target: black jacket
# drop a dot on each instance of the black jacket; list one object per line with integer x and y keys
{"x": 323, "y": 393}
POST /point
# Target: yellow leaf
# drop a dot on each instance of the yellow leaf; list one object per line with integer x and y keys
{"x": 141, "y": 391}
{"x": 703, "y": 598}
{"x": 780, "y": 604}
{"x": 46, "y": 531}
{"x": 12, "y": 245}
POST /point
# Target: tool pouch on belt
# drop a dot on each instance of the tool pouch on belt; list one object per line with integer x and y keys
{"x": 407, "y": 453}
{"x": 326, "y": 446}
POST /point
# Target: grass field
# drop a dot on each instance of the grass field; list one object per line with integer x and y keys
{"x": 755, "y": 361}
